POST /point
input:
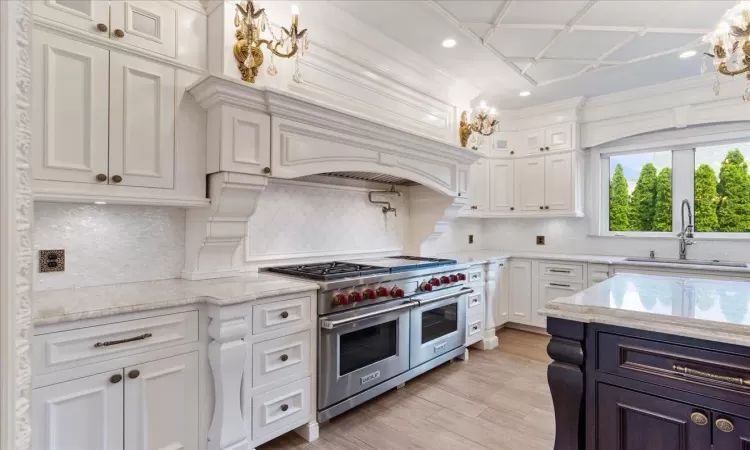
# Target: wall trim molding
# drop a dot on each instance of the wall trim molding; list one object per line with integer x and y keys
{"x": 16, "y": 219}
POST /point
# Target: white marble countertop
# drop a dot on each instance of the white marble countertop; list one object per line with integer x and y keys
{"x": 715, "y": 310}
{"x": 98, "y": 301}
{"x": 484, "y": 256}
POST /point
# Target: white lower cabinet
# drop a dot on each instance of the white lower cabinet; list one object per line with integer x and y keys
{"x": 520, "y": 292}
{"x": 548, "y": 291}
{"x": 81, "y": 414}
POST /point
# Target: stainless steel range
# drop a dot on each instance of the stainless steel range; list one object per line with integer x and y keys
{"x": 383, "y": 322}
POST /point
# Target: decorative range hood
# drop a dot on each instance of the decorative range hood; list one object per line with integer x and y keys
{"x": 253, "y": 133}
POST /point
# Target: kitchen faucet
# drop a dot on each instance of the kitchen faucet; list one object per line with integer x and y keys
{"x": 686, "y": 235}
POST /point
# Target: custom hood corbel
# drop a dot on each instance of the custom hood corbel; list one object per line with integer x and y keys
{"x": 253, "y": 133}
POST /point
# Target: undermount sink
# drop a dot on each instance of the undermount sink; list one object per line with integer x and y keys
{"x": 695, "y": 262}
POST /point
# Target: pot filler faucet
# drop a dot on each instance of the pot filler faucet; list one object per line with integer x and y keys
{"x": 686, "y": 235}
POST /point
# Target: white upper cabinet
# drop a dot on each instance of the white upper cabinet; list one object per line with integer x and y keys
{"x": 552, "y": 138}
{"x": 142, "y": 117}
{"x": 558, "y": 137}
{"x": 529, "y": 187}
{"x": 146, "y": 24}
{"x": 531, "y": 141}
{"x": 478, "y": 187}
{"x": 71, "y": 109}
{"x": 501, "y": 181}
{"x": 82, "y": 414}
{"x": 558, "y": 182}
{"x": 87, "y": 15}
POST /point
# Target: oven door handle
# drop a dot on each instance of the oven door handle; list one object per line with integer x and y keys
{"x": 331, "y": 324}
{"x": 463, "y": 291}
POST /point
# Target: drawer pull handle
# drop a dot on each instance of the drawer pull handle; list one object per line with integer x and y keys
{"x": 560, "y": 285}
{"x": 725, "y": 425}
{"x": 559, "y": 271}
{"x": 712, "y": 376}
{"x": 284, "y": 358}
{"x": 284, "y": 315}
{"x": 123, "y": 341}
{"x": 284, "y": 407}
{"x": 699, "y": 418}
{"x": 114, "y": 379}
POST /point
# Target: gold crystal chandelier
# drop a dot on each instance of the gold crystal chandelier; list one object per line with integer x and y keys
{"x": 731, "y": 45}
{"x": 484, "y": 123}
{"x": 250, "y": 23}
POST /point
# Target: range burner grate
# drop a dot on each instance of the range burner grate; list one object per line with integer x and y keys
{"x": 329, "y": 271}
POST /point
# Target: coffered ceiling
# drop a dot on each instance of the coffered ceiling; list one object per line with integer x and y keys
{"x": 555, "y": 49}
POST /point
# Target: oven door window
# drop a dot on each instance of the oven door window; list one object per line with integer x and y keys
{"x": 367, "y": 346}
{"x": 439, "y": 322}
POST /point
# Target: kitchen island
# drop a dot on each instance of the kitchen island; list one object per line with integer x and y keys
{"x": 651, "y": 363}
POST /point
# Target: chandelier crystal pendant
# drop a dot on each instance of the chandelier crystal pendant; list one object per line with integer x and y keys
{"x": 731, "y": 45}
{"x": 484, "y": 123}
{"x": 251, "y": 22}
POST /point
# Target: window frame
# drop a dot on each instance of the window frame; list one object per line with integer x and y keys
{"x": 683, "y": 186}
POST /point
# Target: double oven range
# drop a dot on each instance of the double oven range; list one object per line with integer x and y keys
{"x": 382, "y": 322}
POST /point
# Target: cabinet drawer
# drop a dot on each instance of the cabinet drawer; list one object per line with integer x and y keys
{"x": 66, "y": 349}
{"x": 475, "y": 304}
{"x": 284, "y": 314}
{"x": 573, "y": 272}
{"x": 476, "y": 274}
{"x": 285, "y": 407}
{"x": 474, "y": 330}
{"x": 285, "y": 357}
{"x": 702, "y": 371}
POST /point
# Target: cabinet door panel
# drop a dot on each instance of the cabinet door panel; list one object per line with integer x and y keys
{"x": 82, "y": 414}
{"x": 558, "y": 182}
{"x": 82, "y": 14}
{"x": 148, "y": 25}
{"x": 628, "y": 420}
{"x": 161, "y": 407}
{"x": 501, "y": 304}
{"x": 70, "y": 109}
{"x": 559, "y": 137}
{"x": 141, "y": 119}
{"x": 520, "y": 291}
{"x": 530, "y": 182}
{"x": 548, "y": 291}
{"x": 477, "y": 187}
{"x": 736, "y": 439}
{"x": 531, "y": 142}
{"x": 501, "y": 186}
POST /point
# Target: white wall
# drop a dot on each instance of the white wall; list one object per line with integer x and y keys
{"x": 457, "y": 238}
{"x": 106, "y": 244}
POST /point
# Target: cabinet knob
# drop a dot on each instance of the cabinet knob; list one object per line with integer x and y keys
{"x": 725, "y": 425}
{"x": 133, "y": 374}
{"x": 284, "y": 358}
{"x": 119, "y": 33}
{"x": 101, "y": 177}
{"x": 101, "y": 27}
{"x": 541, "y": 207}
{"x": 114, "y": 379}
{"x": 699, "y": 418}
{"x": 267, "y": 170}
{"x": 546, "y": 148}
{"x": 284, "y": 315}
{"x": 284, "y": 407}
{"x": 512, "y": 152}
{"x": 512, "y": 208}
{"x": 546, "y": 207}
{"x": 116, "y": 178}
{"x": 541, "y": 149}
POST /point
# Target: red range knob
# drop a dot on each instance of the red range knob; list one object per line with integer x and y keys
{"x": 382, "y": 292}
{"x": 445, "y": 280}
{"x": 435, "y": 282}
{"x": 370, "y": 294}
{"x": 356, "y": 296}
{"x": 340, "y": 299}
{"x": 426, "y": 287}
{"x": 461, "y": 277}
{"x": 453, "y": 278}
{"x": 397, "y": 292}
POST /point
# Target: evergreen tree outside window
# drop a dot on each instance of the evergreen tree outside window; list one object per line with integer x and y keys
{"x": 722, "y": 188}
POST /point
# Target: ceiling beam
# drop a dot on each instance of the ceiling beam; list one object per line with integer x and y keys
{"x": 474, "y": 37}
{"x": 604, "y": 55}
{"x": 627, "y": 29}
{"x": 499, "y": 17}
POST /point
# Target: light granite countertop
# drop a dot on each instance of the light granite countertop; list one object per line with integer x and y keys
{"x": 65, "y": 305}
{"x": 484, "y": 256}
{"x": 716, "y": 310}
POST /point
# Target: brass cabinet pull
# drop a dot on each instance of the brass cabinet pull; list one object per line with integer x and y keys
{"x": 117, "y": 178}
{"x": 101, "y": 177}
{"x": 114, "y": 379}
{"x": 123, "y": 341}
{"x": 699, "y": 418}
{"x": 101, "y": 27}
{"x": 133, "y": 374}
{"x": 725, "y": 425}
{"x": 119, "y": 33}
{"x": 711, "y": 376}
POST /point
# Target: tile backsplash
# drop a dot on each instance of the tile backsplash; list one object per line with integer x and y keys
{"x": 106, "y": 244}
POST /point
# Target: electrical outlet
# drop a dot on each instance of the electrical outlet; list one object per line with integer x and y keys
{"x": 471, "y": 239}
{"x": 52, "y": 260}
{"x": 540, "y": 240}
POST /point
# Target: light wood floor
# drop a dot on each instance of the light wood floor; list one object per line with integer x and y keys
{"x": 499, "y": 399}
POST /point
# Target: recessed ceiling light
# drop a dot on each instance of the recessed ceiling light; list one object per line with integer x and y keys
{"x": 100, "y": 203}
{"x": 687, "y": 54}
{"x": 449, "y": 43}
{"x": 524, "y": 93}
